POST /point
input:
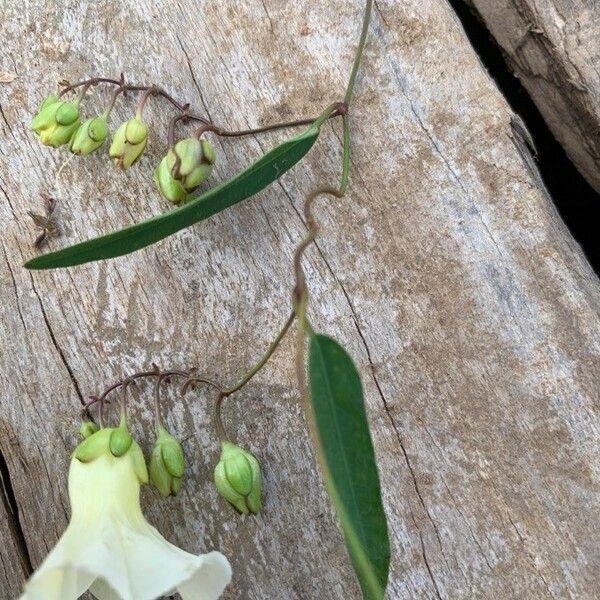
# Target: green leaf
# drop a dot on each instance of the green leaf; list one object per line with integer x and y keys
{"x": 347, "y": 457}
{"x": 245, "y": 184}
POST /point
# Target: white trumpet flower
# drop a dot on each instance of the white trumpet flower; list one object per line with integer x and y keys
{"x": 109, "y": 548}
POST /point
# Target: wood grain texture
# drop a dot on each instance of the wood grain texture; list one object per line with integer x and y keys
{"x": 446, "y": 272}
{"x": 553, "y": 47}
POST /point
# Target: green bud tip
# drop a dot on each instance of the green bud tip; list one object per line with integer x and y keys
{"x": 238, "y": 478}
{"x": 93, "y": 446}
{"x": 52, "y": 99}
{"x": 87, "y": 429}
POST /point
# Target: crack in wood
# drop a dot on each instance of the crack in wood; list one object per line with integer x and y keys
{"x": 12, "y": 511}
{"x": 56, "y": 345}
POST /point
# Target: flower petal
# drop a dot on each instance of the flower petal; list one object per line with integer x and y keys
{"x": 58, "y": 584}
{"x": 139, "y": 564}
{"x": 209, "y": 581}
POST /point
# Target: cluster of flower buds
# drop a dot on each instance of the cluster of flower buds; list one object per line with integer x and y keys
{"x": 166, "y": 466}
{"x": 187, "y": 164}
{"x": 237, "y": 475}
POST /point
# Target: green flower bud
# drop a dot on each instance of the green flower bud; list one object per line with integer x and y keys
{"x": 104, "y": 442}
{"x": 42, "y": 117}
{"x": 184, "y": 168}
{"x": 56, "y": 121}
{"x": 94, "y": 446}
{"x": 87, "y": 429}
{"x": 167, "y": 464}
{"x": 128, "y": 143}
{"x": 89, "y": 137}
{"x": 238, "y": 478}
{"x": 120, "y": 439}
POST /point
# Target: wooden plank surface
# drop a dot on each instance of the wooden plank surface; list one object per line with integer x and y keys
{"x": 446, "y": 271}
{"x": 553, "y": 47}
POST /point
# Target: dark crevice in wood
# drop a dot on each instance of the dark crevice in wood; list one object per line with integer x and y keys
{"x": 11, "y": 508}
{"x": 63, "y": 358}
{"x": 577, "y": 202}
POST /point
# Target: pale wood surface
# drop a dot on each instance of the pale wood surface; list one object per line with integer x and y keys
{"x": 446, "y": 272}
{"x": 553, "y": 47}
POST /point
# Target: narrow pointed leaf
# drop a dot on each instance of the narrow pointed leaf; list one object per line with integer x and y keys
{"x": 245, "y": 184}
{"x": 348, "y": 460}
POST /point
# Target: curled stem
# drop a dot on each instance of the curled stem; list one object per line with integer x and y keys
{"x": 300, "y": 290}
{"x": 120, "y": 90}
{"x": 300, "y": 298}
{"x": 83, "y": 92}
{"x": 184, "y": 116}
{"x": 218, "y": 419}
{"x": 67, "y": 87}
{"x": 189, "y": 376}
{"x": 157, "y": 416}
{"x": 151, "y": 91}
{"x": 124, "y": 407}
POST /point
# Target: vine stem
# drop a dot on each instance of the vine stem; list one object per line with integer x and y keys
{"x": 157, "y": 414}
{"x": 359, "y": 51}
{"x": 190, "y": 380}
{"x": 300, "y": 290}
{"x": 263, "y": 361}
{"x": 151, "y": 91}
{"x": 339, "y": 108}
{"x": 221, "y": 432}
{"x": 301, "y": 296}
{"x": 300, "y": 299}
{"x": 189, "y": 376}
{"x": 183, "y": 108}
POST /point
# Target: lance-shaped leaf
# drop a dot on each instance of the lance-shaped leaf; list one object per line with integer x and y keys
{"x": 348, "y": 461}
{"x": 245, "y": 184}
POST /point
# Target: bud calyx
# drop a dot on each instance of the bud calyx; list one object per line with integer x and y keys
{"x": 238, "y": 478}
{"x": 56, "y": 121}
{"x": 184, "y": 168}
{"x": 167, "y": 464}
{"x": 129, "y": 143}
{"x": 89, "y": 137}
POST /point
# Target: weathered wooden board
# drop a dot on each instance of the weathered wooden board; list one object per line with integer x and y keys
{"x": 446, "y": 271}
{"x": 553, "y": 47}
